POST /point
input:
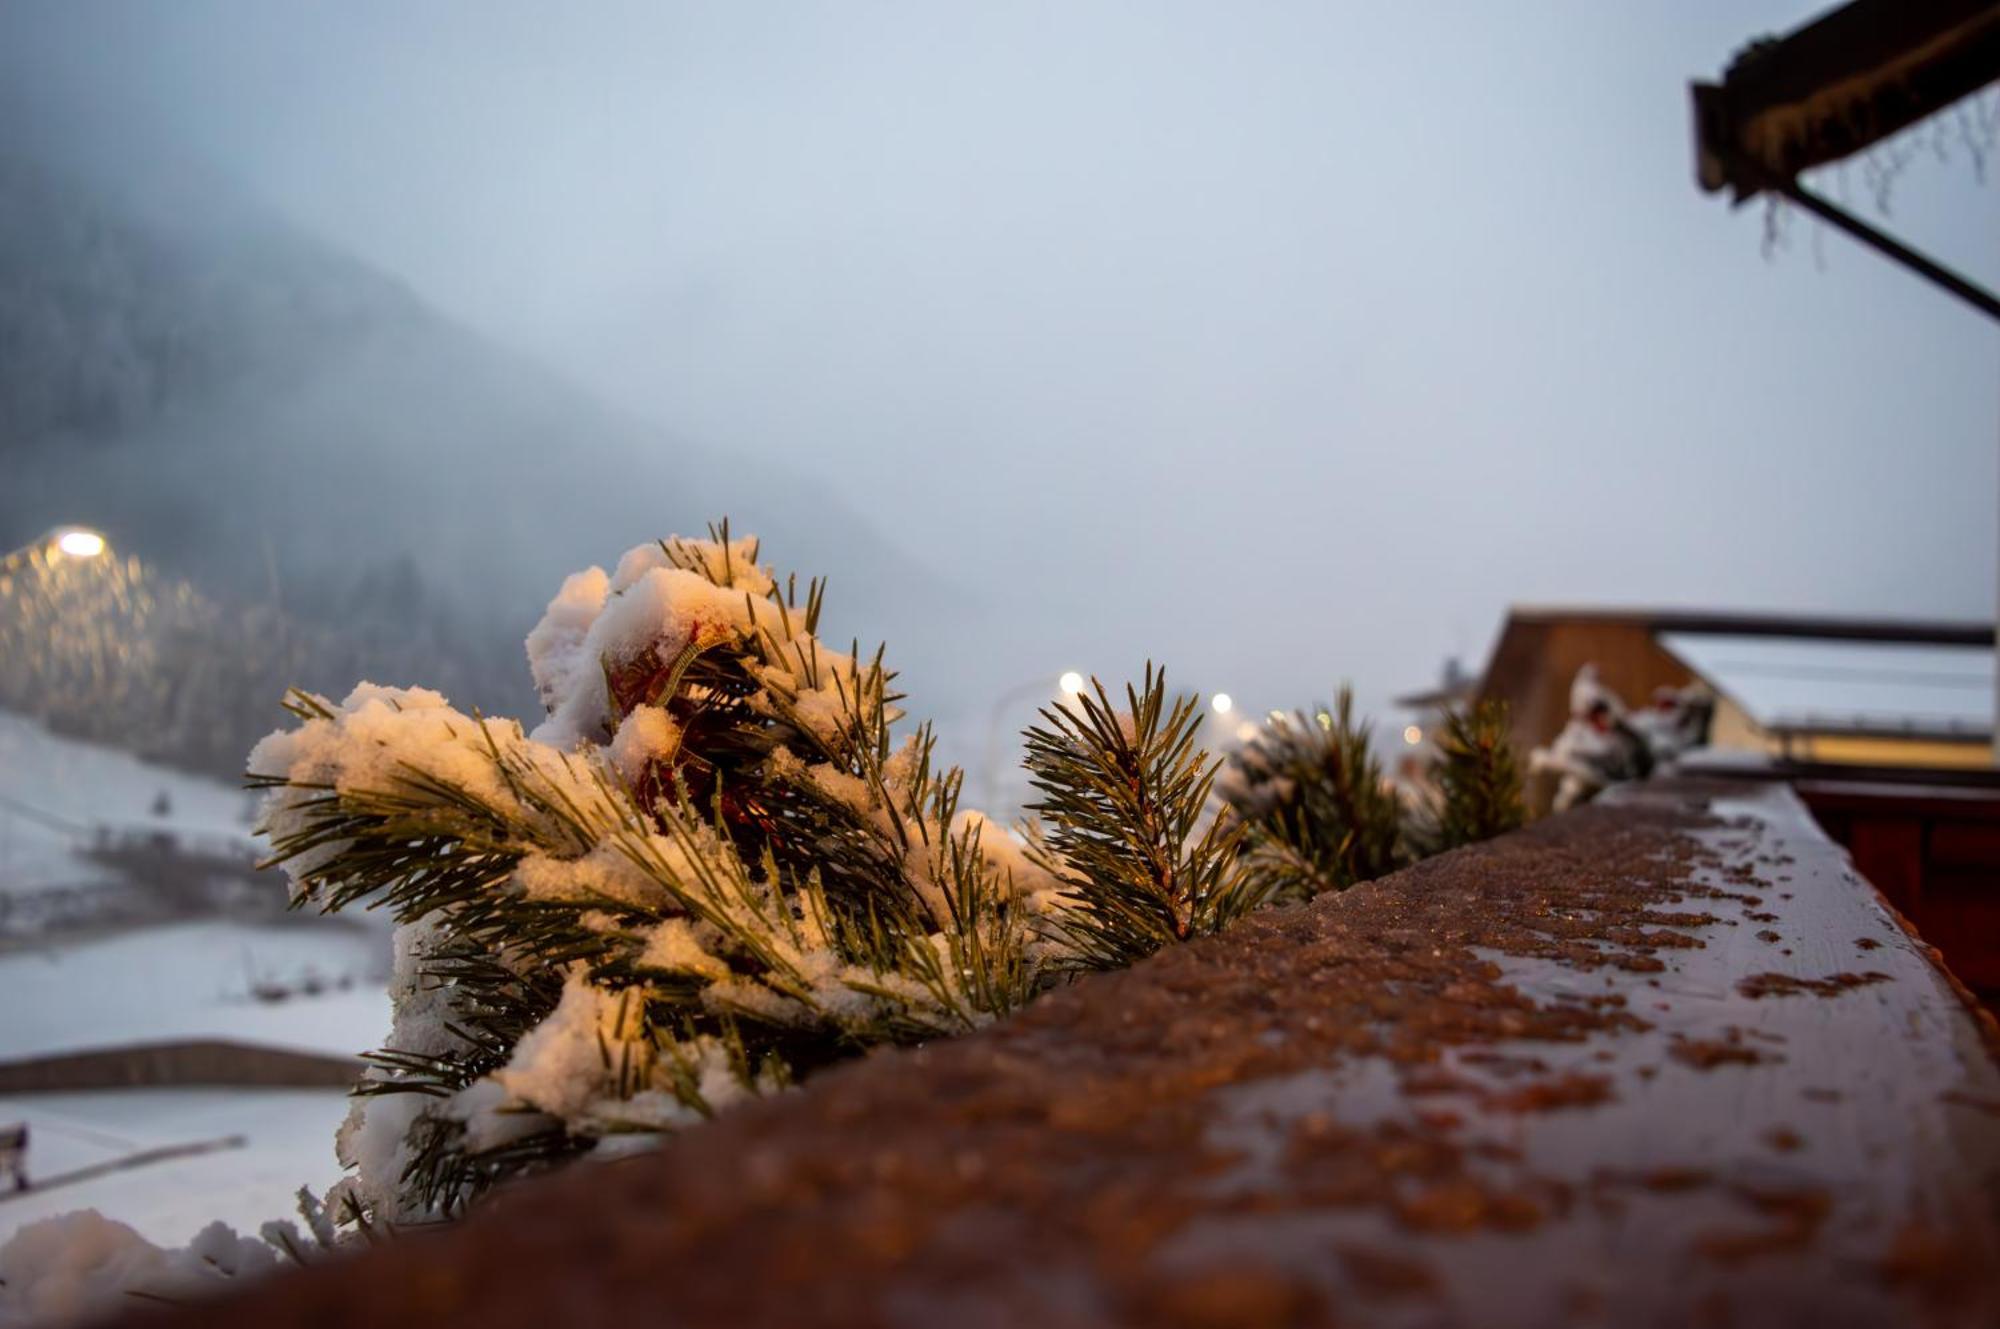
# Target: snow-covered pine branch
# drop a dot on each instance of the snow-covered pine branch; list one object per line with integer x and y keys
{"x": 710, "y": 869}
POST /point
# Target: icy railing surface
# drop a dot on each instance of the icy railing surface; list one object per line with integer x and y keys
{"x": 1663, "y": 1060}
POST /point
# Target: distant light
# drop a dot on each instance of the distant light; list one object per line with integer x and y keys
{"x": 1071, "y": 682}
{"x": 1221, "y": 701}
{"x": 80, "y": 543}
{"x": 1413, "y": 735}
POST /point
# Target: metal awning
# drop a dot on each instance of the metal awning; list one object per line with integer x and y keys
{"x": 1838, "y": 86}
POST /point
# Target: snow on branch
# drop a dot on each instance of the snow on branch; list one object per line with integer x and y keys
{"x": 708, "y": 870}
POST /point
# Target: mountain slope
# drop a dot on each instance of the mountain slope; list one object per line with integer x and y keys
{"x": 251, "y": 409}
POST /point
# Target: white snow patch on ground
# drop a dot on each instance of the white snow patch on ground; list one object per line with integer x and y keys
{"x": 54, "y": 792}
{"x": 193, "y": 980}
{"x": 288, "y": 1143}
{"x": 161, "y": 983}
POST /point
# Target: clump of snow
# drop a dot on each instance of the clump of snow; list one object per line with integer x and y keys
{"x": 578, "y": 1066}
{"x": 376, "y": 736}
{"x": 374, "y": 1145}
{"x": 840, "y": 787}
{"x": 561, "y": 1066}
{"x": 82, "y": 1266}
{"x": 646, "y": 736}
{"x": 605, "y": 875}
{"x": 489, "y": 1116}
{"x": 378, "y": 739}
{"x": 1597, "y": 747}
{"x": 421, "y": 1003}
{"x": 733, "y": 565}
{"x": 673, "y": 948}
{"x": 556, "y": 658}
{"x": 652, "y": 619}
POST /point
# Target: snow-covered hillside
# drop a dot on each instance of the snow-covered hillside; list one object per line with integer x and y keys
{"x": 198, "y": 978}
{"x": 57, "y": 793}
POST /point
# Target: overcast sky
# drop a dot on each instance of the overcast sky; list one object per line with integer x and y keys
{"x": 1282, "y": 342}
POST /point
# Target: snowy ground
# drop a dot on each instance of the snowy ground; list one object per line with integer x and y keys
{"x": 178, "y": 981}
{"x": 288, "y": 1142}
{"x": 103, "y": 982}
{"x": 194, "y": 980}
{"x": 55, "y": 793}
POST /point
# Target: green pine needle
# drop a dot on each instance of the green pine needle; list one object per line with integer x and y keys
{"x": 1127, "y": 828}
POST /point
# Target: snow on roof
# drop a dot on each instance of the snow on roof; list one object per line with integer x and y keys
{"x": 1803, "y": 684}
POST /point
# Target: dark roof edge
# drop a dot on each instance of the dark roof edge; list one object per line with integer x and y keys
{"x": 1838, "y": 85}
{"x": 1746, "y": 623}
{"x": 1411, "y": 701}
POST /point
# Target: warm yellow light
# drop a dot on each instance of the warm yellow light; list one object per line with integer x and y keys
{"x": 80, "y": 543}
{"x": 1071, "y": 682}
{"x": 1276, "y": 717}
{"x": 1413, "y": 735}
{"x": 1245, "y": 732}
{"x": 1221, "y": 701}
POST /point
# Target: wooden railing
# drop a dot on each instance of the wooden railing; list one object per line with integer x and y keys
{"x": 201, "y": 1061}
{"x": 1664, "y": 1060}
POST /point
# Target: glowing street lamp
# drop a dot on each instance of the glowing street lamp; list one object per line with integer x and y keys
{"x": 1221, "y": 701}
{"x": 1412, "y": 735}
{"x": 1071, "y": 682}
{"x": 79, "y": 542}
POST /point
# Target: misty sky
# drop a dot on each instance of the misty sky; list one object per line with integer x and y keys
{"x": 1282, "y": 342}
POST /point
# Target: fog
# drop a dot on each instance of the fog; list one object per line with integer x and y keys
{"x": 1281, "y": 343}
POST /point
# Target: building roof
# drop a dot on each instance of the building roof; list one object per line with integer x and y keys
{"x": 1829, "y": 674}
{"x": 1862, "y": 688}
{"x": 1753, "y": 623}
